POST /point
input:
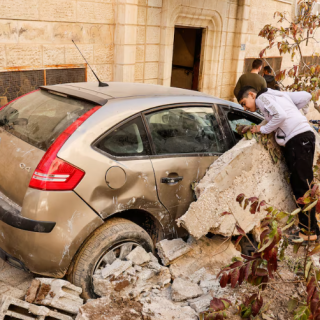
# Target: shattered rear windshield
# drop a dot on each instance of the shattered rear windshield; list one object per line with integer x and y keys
{"x": 39, "y": 118}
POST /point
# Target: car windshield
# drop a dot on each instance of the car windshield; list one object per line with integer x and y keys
{"x": 39, "y": 118}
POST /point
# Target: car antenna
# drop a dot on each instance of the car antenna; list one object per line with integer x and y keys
{"x": 101, "y": 84}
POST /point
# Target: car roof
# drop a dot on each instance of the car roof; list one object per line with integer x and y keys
{"x": 90, "y": 91}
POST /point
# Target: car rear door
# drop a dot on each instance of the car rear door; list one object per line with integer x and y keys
{"x": 186, "y": 140}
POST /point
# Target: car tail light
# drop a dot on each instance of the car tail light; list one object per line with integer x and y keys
{"x": 56, "y": 174}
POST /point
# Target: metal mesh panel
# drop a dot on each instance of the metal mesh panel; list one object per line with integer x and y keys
{"x": 17, "y": 83}
{"x": 58, "y": 76}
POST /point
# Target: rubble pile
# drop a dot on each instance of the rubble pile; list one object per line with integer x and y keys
{"x": 136, "y": 288}
{"x": 246, "y": 168}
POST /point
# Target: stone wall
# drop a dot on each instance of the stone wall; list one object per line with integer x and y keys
{"x": 38, "y": 33}
{"x": 132, "y": 40}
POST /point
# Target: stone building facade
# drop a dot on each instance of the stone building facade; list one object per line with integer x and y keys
{"x": 133, "y": 40}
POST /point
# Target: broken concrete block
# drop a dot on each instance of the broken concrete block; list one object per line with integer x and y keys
{"x": 56, "y": 293}
{"x": 184, "y": 290}
{"x": 106, "y": 309}
{"x": 201, "y": 274}
{"x": 138, "y": 256}
{"x": 160, "y": 308}
{"x": 201, "y": 304}
{"x": 127, "y": 286}
{"x": 12, "y": 308}
{"x": 152, "y": 257}
{"x": 169, "y": 250}
{"x": 246, "y": 168}
{"x": 116, "y": 268}
{"x": 210, "y": 286}
{"x": 211, "y": 254}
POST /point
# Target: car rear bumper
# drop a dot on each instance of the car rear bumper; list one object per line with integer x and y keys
{"x": 12, "y": 217}
{"x": 46, "y": 253}
{"x": 12, "y": 261}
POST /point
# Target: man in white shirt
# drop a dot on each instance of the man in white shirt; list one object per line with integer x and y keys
{"x": 293, "y": 132}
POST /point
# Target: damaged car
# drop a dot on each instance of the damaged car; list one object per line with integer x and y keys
{"x": 89, "y": 173}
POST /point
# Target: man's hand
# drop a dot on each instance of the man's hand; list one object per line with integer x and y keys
{"x": 255, "y": 129}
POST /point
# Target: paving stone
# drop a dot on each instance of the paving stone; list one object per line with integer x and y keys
{"x": 138, "y": 256}
{"x": 183, "y": 290}
{"x": 170, "y": 250}
{"x": 12, "y": 308}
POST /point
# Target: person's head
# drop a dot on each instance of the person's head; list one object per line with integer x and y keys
{"x": 247, "y": 98}
{"x": 257, "y": 65}
{"x": 267, "y": 70}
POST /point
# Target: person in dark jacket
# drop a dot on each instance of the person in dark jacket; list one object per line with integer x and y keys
{"x": 270, "y": 79}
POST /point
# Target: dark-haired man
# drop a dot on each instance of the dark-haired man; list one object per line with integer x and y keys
{"x": 270, "y": 79}
{"x": 293, "y": 132}
{"x": 252, "y": 79}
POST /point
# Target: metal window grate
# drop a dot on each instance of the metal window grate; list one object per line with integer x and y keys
{"x": 17, "y": 83}
{"x": 14, "y": 84}
{"x": 58, "y": 76}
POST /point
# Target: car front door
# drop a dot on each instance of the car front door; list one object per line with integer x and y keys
{"x": 186, "y": 140}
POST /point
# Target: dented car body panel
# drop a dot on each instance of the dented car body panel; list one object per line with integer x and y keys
{"x": 50, "y": 254}
{"x": 112, "y": 184}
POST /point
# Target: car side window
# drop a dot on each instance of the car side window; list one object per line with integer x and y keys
{"x": 185, "y": 130}
{"x": 239, "y": 118}
{"x": 130, "y": 139}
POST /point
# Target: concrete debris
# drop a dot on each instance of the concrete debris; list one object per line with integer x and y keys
{"x": 201, "y": 274}
{"x": 56, "y": 293}
{"x": 11, "y": 308}
{"x": 184, "y": 290}
{"x": 138, "y": 256}
{"x": 116, "y": 268}
{"x": 106, "y": 309}
{"x": 201, "y": 304}
{"x": 211, "y": 285}
{"x": 210, "y": 254}
{"x": 160, "y": 308}
{"x": 129, "y": 286}
{"x": 152, "y": 257}
{"x": 169, "y": 250}
{"x": 246, "y": 168}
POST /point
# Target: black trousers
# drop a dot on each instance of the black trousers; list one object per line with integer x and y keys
{"x": 299, "y": 153}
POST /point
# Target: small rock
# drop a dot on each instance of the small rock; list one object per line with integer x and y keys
{"x": 200, "y": 304}
{"x": 138, "y": 256}
{"x": 183, "y": 290}
{"x": 170, "y": 250}
{"x": 152, "y": 257}
{"x": 116, "y": 268}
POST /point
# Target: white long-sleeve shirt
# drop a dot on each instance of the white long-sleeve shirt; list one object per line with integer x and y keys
{"x": 281, "y": 110}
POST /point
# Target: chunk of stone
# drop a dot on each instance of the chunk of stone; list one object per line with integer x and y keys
{"x": 246, "y": 168}
{"x": 56, "y": 293}
{"x": 116, "y": 268}
{"x": 210, "y": 285}
{"x": 199, "y": 275}
{"x": 107, "y": 309}
{"x": 12, "y": 308}
{"x": 184, "y": 289}
{"x": 138, "y": 256}
{"x": 170, "y": 250}
{"x": 160, "y": 308}
{"x": 152, "y": 257}
{"x": 211, "y": 254}
{"x": 201, "y": 303}
{"x": 129, "y": 287}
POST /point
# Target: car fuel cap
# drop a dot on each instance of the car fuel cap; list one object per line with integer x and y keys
{"x": 116, "y": 177}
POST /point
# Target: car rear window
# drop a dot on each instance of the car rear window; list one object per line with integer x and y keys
{"x": 39, "y": 118}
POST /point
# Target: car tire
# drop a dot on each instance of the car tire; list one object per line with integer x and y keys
{"x": 113, "y": 232}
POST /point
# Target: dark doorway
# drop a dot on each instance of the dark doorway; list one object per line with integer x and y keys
{"x": 186, "y": 58}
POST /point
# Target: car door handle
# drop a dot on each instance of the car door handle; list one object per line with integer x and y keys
{"x": 171, "y": 181}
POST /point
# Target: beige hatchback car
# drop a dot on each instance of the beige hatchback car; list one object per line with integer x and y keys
{"x": 88, "y": 173}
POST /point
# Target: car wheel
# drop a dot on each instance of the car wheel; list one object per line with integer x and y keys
{"x": 114, "y": 239}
